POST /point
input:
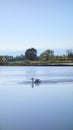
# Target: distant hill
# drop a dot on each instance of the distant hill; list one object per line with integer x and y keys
{"x": 12, "y": 52}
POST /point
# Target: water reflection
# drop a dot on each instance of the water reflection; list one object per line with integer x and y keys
{"x": 45, "y": 82}
{"x": 35, "y": 84}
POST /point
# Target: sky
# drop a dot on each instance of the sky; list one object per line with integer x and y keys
{"x": 42, "y": 24}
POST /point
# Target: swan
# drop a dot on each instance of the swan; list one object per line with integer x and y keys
{"x": 36, "y": 80}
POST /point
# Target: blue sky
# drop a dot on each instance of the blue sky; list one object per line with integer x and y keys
{"x": 42, "y": 24}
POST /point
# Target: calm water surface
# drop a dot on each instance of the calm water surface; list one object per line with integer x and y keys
{"x": 44, "y": 106}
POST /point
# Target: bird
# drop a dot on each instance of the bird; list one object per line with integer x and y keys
{"x": 37, "y": 81}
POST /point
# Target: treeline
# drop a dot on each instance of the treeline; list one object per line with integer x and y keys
{"x": 30, "y": 57}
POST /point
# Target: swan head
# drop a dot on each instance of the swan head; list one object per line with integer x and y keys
{"x": 32, "y": 78}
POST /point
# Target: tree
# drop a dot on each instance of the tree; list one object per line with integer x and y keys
{"x": 31, "y": 54}
{"x": 47, "y": 55}
{"x": 2, "y": 59}
{"x": 70, "y": 54}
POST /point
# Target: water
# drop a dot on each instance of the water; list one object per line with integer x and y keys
{"x": 44, "y": 106}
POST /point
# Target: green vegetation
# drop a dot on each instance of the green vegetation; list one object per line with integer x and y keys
{"x": 46, "y": 58}
{"x": 31, "y": 54}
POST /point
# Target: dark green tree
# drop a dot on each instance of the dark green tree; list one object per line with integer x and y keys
{"x": 31, "y": 54}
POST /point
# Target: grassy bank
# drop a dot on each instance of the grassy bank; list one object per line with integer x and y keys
{"x": 37, "y": 63}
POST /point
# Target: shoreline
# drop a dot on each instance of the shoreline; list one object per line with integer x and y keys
{"x": 33, "y": 64}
